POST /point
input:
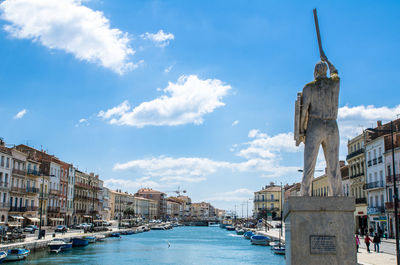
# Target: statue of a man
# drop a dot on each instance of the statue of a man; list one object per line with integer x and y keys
{"x": 318, "y": 116}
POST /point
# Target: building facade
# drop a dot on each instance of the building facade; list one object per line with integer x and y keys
{"x": 267, "y": 202}
{"x": 157, "y": 196}
{"x": 356, "y": 161}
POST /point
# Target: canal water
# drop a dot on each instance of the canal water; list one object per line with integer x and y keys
{"x": 181, "y": 245}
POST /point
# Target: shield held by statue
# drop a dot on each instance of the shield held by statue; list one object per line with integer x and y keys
{"x": 299, "y": 134}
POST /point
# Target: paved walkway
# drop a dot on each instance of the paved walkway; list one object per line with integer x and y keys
{"x": 374, "y": 258}
{"x": 363, "y": 257}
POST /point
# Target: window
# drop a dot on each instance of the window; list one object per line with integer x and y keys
{"x": 2, "y": 161}
{"x": 369, "y": 155}
{"x": 390, "y": 199}
{"x": 8, "y": 162}
{"x": 380, "y": 151}
{"x": 374, "y": 153}
{"x": 381, "y": 176}
{"x": 382, "y": 201}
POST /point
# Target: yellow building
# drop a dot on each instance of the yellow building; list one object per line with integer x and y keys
{"x": 267, "y": 202}
{"x": 356, "y": 162}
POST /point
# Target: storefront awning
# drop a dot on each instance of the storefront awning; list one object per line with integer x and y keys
{"x": 33, "y": 219}
{"x": 57, "y": 219}
{"x": 17, "y": 217}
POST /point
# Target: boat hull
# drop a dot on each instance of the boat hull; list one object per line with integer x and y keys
{"x": 79, "y": 242}
{"x": 13, "y": 255}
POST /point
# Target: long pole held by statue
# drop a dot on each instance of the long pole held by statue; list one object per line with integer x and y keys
{"x": 321, "y": 51}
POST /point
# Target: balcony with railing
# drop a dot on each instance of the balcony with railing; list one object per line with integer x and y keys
{"x": 3, "y": 185}
{"x": 389, "y": 179}
{"x": 266, "y": 200}
{"x": 376, "y": 210}
{"x": 369, "y": 163}
{"x": 374, "y": 185}
{"x": 4, "y": 205}
{"x": 18, "y": 189}
{"x": 357, "y": 175}
{"x": 81, "y": 197}
{"x": 390, "y": 205}
{"x": 31, "y": 208}
{"x": 32, "y": 190}
{"x": 82, "y": 185}
{"x": 80, "y": 211}
{"x": 380, "y": 159}
{"x": 51, "y": 209}
{"x": 361, "y": 200}
{"x": 17, "y": 209}
{"x": 19, "y": 172}
{"x": 275, "y": 209}
{"x": 374, "y": 161}
{"x": 54, "y": 192}
{"x": 355, "y": 153}
{"x": 33, "y": 172}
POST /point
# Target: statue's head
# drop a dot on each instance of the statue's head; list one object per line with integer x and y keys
{"x": 320, "y": 70}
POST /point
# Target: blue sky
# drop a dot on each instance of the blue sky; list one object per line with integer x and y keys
{"x": 198, "y": 94}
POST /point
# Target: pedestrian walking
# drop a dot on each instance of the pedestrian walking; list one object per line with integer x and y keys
{"x": 377, "y": 241}
{"x": 367, "y": 241}
{"x": 357, "y": 242}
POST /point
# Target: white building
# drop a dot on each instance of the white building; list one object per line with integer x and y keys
{"x": 389, "y": 205}
{"x": 376, "y": 184}
{"x": 70, "y": 195}
{"x": 5, "y": 176}
{"x": 55, "y": 170}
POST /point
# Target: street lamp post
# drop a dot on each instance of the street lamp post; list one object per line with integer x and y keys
{"x": 396, "y": 196}
{"x": 41, "y": 209}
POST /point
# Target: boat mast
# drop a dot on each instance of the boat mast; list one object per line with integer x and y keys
{"x": 280, "y": 230}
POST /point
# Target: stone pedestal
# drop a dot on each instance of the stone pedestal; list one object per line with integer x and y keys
{"x": 320, "y": 230}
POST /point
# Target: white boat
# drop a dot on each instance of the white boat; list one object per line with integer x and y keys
{"x": 100, "y": 237}
{"x": 58, "y": 245}
{"x": 17, "y": 254}
{"x": 280, "y": 250}
{"x": 3, "y": 256}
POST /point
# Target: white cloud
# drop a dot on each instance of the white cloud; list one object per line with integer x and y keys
{"x": 265, "y": 146}
{"x": 184, "y": 169}
{"x": 185, "y": 101}
{"x": 160, "y": 38}
{"x": 235, "y": 123}
{"x": 196, "y": 169}
{"x": 20, "y": 114}
{"x": 69, "y": 26}
{"x": 131, "y": 185}
{"x": 237, "y": 195}
{"x": 368, "y": 112}
{"x": 169, "y": 68}
{"x": 82, "y": 122}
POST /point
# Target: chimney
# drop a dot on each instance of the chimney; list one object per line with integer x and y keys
{"x": 379, "y": 123}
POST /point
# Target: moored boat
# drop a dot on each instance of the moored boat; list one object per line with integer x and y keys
{"x": 3, "y": 255}
{"x": 260, "y": 240}
{"x": 90, "y": 239}
{"x": 79, "y": 242}
{"x": 100, "y": 237}
{"x": 248, "y": 234}
{"x": 58, "y": 245}
{"x": 157, "y": 227}
{"x": 239, "y": 232}
{"x": 15, "y": 254}
{"x": 115, "y": 235}
{"x": 230, "y": 228}
{"x": 280, "y": 250}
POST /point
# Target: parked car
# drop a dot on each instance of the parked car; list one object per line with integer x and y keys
{"x": 30, "y": 228}
{"x": 61, "y": 228}
{"x": 83, "y": 226}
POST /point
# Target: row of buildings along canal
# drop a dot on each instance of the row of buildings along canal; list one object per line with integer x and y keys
{"x": 36, "y": 186}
